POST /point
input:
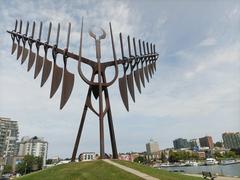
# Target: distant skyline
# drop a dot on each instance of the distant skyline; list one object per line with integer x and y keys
{"x": 195, "y": 91}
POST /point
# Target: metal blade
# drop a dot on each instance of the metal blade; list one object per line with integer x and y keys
{"x": 142, "y": 76}
{"x": 56, "y": 79}
{"x": 154, "y": 64}
{"x": 68, "y": 82}
{"x": 38, "y": 65}
{"x": 131, "y": 85}
{"x": 24, "y": 55}
{"x": 146, "y": 73}
{"x": 31, "y": 59}
{"x": 47, "y": 66}
{"x": 137, "y": 79}
{"x": 123, "y": 91}
{"x": 149, "y": 70}
{"x": 19, "y": 51}
{"x": 152, "y": 68}
{"x": 14, "y": 47}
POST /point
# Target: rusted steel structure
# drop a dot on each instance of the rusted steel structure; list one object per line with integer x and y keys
{"x": 138, "y": 67}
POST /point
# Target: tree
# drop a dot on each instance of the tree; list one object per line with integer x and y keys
{"x": 217, "y": 154}
{"x": 29, "y": 164}
{"x": 140, "y": 159}
{"x": 163, "y": 157}
{"x": 173, "y": 156}
{"x": 230, "y": 154}
{"x": 39, "y": 162}
{"x": 7, "y": 169}
{"x": 21, "y": 167}
{"x": 49, "y": 161}
{"x": 181, "y": 155}
{"x": 218, "y": 144}
{"x": 194, "y": 156}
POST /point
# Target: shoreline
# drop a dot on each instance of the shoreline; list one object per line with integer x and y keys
{"x": 218, "y": 177}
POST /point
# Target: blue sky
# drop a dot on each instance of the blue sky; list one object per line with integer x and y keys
{"x": 195, "y": 91}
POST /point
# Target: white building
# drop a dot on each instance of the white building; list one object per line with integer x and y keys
{"x": 153, "y": 151}
{"x": 35, "y": 146}
{"x": 87, "y": 156}
{"x": 152, "y": 147}
{"x": 8, "y": 139}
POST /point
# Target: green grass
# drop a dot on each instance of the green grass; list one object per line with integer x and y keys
{"x": 100, "y": 170}
{"x": 84, "y": 170}
{"x": 158, "y": 173}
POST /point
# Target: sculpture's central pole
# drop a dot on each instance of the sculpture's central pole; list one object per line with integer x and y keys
{"x": 99, "y": 70}
{"x": 101, "y": 115}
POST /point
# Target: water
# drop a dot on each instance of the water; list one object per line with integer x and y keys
{"x": 225, "y": 170}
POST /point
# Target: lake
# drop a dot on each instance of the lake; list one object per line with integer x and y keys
{"x": 225, "y": 170}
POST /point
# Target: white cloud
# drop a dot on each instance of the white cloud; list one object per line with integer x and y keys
{"x": 218, "y": 57}
{"x": 210, "y": 41}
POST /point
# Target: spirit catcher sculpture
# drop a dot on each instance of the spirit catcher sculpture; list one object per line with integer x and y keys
{"x": 136, "y": 67}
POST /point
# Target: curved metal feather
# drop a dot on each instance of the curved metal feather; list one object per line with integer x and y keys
{"x": 68, "y": 77}
{"x": 57, "y": 71}
{"x": 25, "y": 50}
{"x": 47, "y": 65}
{"x": 14, "y": 45}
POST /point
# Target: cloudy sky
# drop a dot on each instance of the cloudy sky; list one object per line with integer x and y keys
{"x": 195, "y": 91}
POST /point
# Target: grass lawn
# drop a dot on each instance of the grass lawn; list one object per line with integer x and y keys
{"x": 158, "y": 173}
{"x": 83, "y": 170}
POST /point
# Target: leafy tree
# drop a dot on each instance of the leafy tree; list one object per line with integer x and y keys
{"x": 29, "y": 164}
{"x": 237, "y": 151}
{"x": 230, "y": 154}
{"x": 195, "y": 156}
{"x": 140, "y": 159}
{"x": 7, "y": 169}
{"x": 173, "y": 156}
{"x": 39, "y": 162}
{"x": 217, "y": 154}
{"x": 163, "y": 157}
{"x": 181, "y": 155}
{"x": 49, "y": 161}
{"x": 21, "y": 167}
{"x": 218, "y": 144}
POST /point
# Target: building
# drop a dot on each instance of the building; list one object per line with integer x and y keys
{"x": 180, "y": 143}
{"x": 193, "y": 143}
{"x": 87, "y": 156}
{"x": 8, "y": 139}
{"x": 201, "y": 155}
{"x": 126, "y": 157}
{"x": 55, "y": 159}
{"x": 35, "y": 146}
{"x": 231, "y": 140}
{"x": 152, "y": 147}
{"x": 153, "y": 151}
{"x": 206, "y": 142}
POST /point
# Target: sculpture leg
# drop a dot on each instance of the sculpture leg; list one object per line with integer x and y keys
{"x": 112, "y": 134}
{"x": 101, "y": 125}
{"x": 110, "y": 122}
{"x": 101, "y": 131}
{"x": 79, "y": 134}
{"x": 88, "y": 98}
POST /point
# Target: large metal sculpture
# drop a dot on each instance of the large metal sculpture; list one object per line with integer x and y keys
{"x": 138, "y": 66}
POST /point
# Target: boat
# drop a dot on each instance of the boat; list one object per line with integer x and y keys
{"x": 211, "y": 161}
{"x": 229, "y": 161}
{"x": 191, "y": 163}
